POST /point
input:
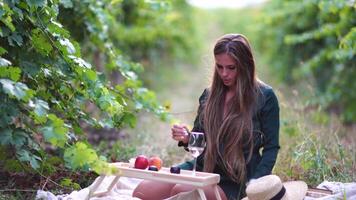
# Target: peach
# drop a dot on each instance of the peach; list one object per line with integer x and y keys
{"x": 155, "y": 161}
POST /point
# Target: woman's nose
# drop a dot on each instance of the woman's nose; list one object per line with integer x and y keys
{"x": 224, "y": 72}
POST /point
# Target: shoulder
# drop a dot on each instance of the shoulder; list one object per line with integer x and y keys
{"x": 266, "y": 94}
{"x": 204, "y": 96}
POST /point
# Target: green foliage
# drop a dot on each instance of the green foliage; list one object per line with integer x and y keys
{"x": 318, "y": 161}
{"x": 47, "y": 81}
{"x": 314, "y": 39}
{"x": 66, "y": 182}
{"x": 119, "y": 151}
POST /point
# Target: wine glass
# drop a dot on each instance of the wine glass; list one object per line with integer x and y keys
{"x": 196, "y": 146}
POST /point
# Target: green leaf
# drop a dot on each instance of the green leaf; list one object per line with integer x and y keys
{"x": 6, "y": 136}
{"x": 55, "y": 132}
{"x": 40, "y": 42}
{"x": 8, "y": 22}
{"x": 4, "y": 62}
{"x": 129, "y": 119}
{"x": 8, "y": 111}
{"x": 79, "y": 156}
{"x": 29, "y": 68}
{"x": 56, "y": 29}
{"x": 16, "y": 89}
{"x": 67, "y": 3}
{"x": 10, "y": 137}
{"x": 91, "y": 75}
{"x": 68, "y": 45}
{"x": 66, "y": 182}
{"x": 79, "y": 61}
{"x": 27, "y": 156}
{"x": 13, "y": 73}
{"x": 19, "y": 138}
{"x": 2, "y": 51}
{"x": 15, "y": 37}
{"x": 40, "y": 109}
{"x": 37, "y": 3}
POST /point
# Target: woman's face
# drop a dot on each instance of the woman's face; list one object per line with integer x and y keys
{"x": 227, "y": 69}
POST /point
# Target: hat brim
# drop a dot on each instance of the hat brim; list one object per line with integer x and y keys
{"x": 295, "y": 190}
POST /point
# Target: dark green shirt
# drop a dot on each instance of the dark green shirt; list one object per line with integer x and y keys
{"x": 266, "y": 142}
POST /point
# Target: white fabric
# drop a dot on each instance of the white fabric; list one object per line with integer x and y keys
{"x": 122, "y": 191}
{"x": 191, "y": 195}
{"x": 339, "y": 191}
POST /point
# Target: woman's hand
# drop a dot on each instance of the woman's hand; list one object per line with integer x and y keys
{"x": 180, "y": 133}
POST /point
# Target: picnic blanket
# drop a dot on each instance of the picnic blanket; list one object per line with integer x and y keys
{"x": 125, "y": 186}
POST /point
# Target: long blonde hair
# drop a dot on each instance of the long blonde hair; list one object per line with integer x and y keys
{"x": 228, "y": 135}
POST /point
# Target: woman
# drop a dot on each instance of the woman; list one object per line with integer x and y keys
{"x": 239, "y": 115}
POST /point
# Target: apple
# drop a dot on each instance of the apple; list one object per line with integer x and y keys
{"x": 155, "y": 161}
{"x": 141, "y": 162}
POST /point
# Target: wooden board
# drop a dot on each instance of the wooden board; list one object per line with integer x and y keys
{"x": 185, "y": 177}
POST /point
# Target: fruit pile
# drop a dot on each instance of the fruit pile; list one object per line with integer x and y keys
{"x": 153, "y": 163}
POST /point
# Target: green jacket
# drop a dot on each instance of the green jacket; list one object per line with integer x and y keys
{"x": 266, "y": 142}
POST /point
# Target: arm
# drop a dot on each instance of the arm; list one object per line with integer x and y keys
{"x": 198, "y": 122}
{"x": 269, "y": 120}
{"x": 198, "y": 127}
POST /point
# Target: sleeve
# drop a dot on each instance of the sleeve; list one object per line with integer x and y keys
{"x": 269, "y": 119}
{"x": 198, "y": 122}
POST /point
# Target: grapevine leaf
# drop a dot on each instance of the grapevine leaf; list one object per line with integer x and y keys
{"x": 15, "y": 38}
{"x": 5, "y": 136}
{"x": 2, "y": 51}
{"x": 40, "y": 42}
{"x": 9, "y": 137}
{"x": 80, "y": 155}
{"x": 55, "y": 132}
{"x": 8, "y": 111}
{"x": 67, "y": 3}
{"x": 69, "y": 46}
{"x": 129, "y": 119}
{"x": 91, "y": 75}
{"x": 8, "y": 22}
{"x": 19, "y": 138}
{"x": 29, "y": 68}
{"x": 4, "y": 62}
{"x": 40, "y": 108}
{"x": 27, "y": 156}
{"x": 37, "y": 3}
{"x": 82, "y": 63}
{"x": 16, "y": 89}
{"x": 13, "y": 73}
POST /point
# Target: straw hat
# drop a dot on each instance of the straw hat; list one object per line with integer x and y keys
{"x": 270, "y": 187}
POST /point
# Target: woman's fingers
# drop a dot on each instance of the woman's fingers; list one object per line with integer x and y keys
{"x": 179, "y": 132}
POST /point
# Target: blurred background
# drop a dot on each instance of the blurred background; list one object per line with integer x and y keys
{"x": 304, "y": 49}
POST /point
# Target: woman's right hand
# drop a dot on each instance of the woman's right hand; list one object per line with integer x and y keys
{"x": 180, "y": 133}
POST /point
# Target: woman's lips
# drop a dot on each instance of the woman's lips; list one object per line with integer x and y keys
{"x": 226, "y": 81}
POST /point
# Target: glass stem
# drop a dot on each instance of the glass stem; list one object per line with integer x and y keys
{"x": 194, "y": 166}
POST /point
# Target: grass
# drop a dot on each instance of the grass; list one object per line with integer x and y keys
{"x": 316, "y": 146}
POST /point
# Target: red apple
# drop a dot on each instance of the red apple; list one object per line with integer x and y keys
{"x": 141, "y": 162}
{"x": 155, "y": 161}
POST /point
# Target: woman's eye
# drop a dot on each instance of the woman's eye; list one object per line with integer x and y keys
{"x": 232, "y": 67}
{"x": 219, "y": 66}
